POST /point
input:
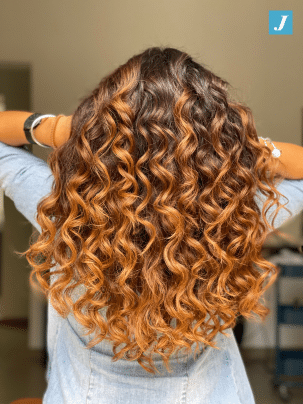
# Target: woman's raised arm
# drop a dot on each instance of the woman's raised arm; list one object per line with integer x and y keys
{"x": 291, "y": 159}
{"x": 12, "y": 133}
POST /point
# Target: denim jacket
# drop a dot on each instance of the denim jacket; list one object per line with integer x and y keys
{"x": 88, "y": 376}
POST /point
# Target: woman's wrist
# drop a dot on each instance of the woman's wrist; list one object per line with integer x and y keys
{"x": 45, "y": 134}
{"x": 290, "y": 161}
{"x": 11, "y": 127}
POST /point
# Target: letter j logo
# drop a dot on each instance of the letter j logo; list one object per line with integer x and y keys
{"x": 280, "y": 22}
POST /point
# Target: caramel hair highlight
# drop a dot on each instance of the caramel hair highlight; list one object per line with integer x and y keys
{"x": 152, "y": 210}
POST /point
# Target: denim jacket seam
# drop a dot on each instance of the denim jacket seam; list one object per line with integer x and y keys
{"x": 185, "y": 385}
{"x": 232, "y": 367}
{"x": 90, "y": 374}
{"x": 49, "y": 370}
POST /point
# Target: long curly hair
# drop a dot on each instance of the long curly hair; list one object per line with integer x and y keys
{"x": 152, "y": 210}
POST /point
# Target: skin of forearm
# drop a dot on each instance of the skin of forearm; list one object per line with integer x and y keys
{"x": 62, "y": 132}
{"x": 12, "y": 133}
{"x": 291, "y": 159}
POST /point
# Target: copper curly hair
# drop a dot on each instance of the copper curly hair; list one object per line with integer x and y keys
{"x": 152, "y": 210}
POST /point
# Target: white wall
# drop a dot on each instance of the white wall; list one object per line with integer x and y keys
{"x": 72, "y": 44}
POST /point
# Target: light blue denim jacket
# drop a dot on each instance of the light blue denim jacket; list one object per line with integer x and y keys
{"x": 80, "y": 376}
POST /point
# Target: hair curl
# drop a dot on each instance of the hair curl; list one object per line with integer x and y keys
{"x": 152, "y": 209}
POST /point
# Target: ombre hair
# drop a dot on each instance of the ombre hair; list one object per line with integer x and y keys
{"x": 152, "y": 210}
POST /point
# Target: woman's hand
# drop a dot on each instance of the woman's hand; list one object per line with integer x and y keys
{"x": 290, "y": 161}
{"x": 12, "y": 133}
{"x": 43, "y": 132}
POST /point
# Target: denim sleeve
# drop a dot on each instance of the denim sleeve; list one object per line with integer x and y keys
{"x": 26, "y": 179}
{"x": 292, "y": 197}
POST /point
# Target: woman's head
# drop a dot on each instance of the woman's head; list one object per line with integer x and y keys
{"x": 152, "y": 209}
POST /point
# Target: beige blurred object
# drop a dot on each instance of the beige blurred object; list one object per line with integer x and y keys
{"x": 273, "y": 237}
{"x": 2, "y": 103}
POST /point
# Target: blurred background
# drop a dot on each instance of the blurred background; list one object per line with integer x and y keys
{"x": 53, "y": 53}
